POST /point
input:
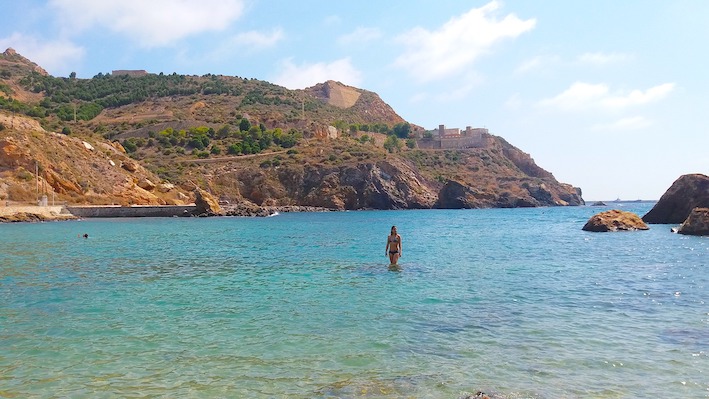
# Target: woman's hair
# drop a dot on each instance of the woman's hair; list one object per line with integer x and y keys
{"x": 393, "y": 227}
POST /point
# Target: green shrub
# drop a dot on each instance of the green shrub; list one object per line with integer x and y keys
{"x": 24, "y": 174}
{"x": 129, "y": 146}
{"x": 234, "y": 149}
{"x": 392, "y": 143}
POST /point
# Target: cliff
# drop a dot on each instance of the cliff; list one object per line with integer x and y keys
{"x": 154, "y": 139}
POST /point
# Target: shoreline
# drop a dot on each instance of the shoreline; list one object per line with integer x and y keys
{"x": 35, "y": 213}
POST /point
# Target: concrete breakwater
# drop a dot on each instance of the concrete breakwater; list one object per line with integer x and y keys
{"x": 116, "y": 211}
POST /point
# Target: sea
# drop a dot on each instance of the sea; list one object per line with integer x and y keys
{"x": 515, "y": 303}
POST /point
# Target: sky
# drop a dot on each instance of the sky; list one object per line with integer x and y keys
{"x": 609, "y": 96}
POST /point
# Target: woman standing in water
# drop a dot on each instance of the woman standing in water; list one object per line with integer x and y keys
{"x": 393, "y": 248}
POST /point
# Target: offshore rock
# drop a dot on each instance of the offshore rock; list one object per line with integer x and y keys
{"x": 205, "y": 204}
{"x": 615, "y": 220}
{"x": 686, "y": 193}
{"x": 697, "y": 223}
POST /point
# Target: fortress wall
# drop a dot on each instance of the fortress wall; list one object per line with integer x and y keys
{"x": 462, "y": 142}
{"x": 428, "y": 144}
{"x": 131, "y": 211}
{"x": 129, "y": 72}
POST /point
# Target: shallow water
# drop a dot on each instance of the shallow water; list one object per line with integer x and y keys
{"x": 519, "y": 303}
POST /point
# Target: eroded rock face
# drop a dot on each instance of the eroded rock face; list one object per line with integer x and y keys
{"x": 206, "y": 204}
{"x": 380, "y": 185}
{"x": 697, "y": 223}
{"x": 455, "y": 195}
{"x": 686, "y": 193}
{"x": 389, "y": 184}
{"x": 615, "y": 220}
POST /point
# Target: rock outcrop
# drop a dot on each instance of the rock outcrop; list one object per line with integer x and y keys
{"x": 10, "y": 214}
{"x": 206, "y": 205}
{"x": 379, "y": 185}
{"x": 337, "y": 94}
{"x": 455, "y": 195}
{"x": 697, "y": 223}
{"x": 11, "y": 56}
{"x": 615, "y": 220}
{"x": 686, "y": 193}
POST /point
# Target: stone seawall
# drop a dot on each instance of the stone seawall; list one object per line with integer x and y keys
{"x": 132, "y": 211}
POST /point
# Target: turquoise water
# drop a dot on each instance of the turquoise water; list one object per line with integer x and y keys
{"x": 518, "y": 303}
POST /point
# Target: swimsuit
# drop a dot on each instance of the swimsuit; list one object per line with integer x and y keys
{"x": 392, "y": 240}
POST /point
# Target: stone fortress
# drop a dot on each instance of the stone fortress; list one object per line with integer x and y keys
{"x": 455, "y": 138}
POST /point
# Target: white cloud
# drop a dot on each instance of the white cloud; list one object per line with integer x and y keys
{"x": 595, "y": 59}
{"x": 152, "y": 23}
{"x": 249, "y": 41}
{"x": 431, "y": 55}
{"x": 623, "y": 124}
{"x": 359, "y": 36}
{"x": 537, "y": 63}
{"x": 256, "y": 40}
{"x": 581, "y": 96}
{"x": 57, "y": 56}
{"x": 527, "y": 65}
{"x": 463, "y": 87}
{"x": 301, "y": 76}
{"x": 603, "y": 58}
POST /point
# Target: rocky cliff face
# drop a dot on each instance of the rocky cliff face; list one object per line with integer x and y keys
{"x": 387, "y": 184}
{"x": 686, "y": 193}
{"x": 369, "y": 106}
{"x": 34, "y": 162}
{"x": 390, "y": 183}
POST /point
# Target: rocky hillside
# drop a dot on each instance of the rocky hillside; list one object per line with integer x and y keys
{"x": 34, "y": 162}
{"x": 153, "y": 139}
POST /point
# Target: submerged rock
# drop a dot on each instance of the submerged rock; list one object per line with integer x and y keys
{"x": 615, "y": 220}
{"x": 686, "y": 193}
{"x": 697, "y": 223}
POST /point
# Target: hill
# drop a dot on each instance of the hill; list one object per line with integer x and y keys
{"x": 153, "y": 138}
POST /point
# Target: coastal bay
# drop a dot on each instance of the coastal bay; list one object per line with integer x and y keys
{"x": 511, "y": 302}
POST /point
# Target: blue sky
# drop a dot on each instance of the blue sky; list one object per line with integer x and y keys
{"x": 610, "y": 96}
